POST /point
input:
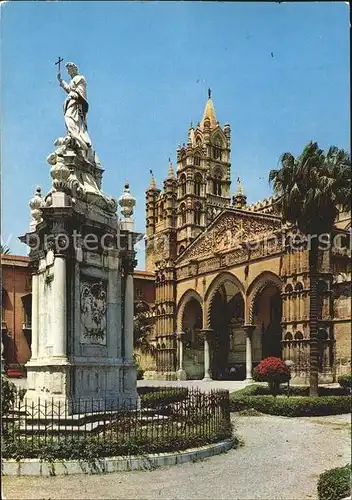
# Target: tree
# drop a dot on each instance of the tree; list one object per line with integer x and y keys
{"x": 4, "y": 249}
{"x": 312, "y": 189}
{"x": 142, "y": 323}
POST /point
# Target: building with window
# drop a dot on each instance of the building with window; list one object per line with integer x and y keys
{"x": 16, "y": 302}
{"x": 231, "y": 289}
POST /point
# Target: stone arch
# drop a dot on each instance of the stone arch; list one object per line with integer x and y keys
{"x": 299, "y": 336}
{"x": 263, "y": 280}
{"x": 186, "y": 297}
{"x": 214, "y": 286}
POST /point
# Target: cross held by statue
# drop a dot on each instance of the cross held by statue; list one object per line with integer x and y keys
{"x": 58, "y": 62}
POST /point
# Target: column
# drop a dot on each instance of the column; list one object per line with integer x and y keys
{"x": 35, "y": 316}
{"x": 249, "y": 329}
{"x": 207, "y": 337}
{"x": 181, "y": 374}
{"x": 59, "y": 329}
{"x": 128, "y": 316}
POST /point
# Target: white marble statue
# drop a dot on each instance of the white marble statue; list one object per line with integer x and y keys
{"x": 76, "y": 108}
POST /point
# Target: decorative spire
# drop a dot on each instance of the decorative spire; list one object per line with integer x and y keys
{"x": 152, "y": 185}
{"x": 191, "y": 138}
{"x": 127, "y": 202}
{"x": 170, "y": 171}
{"x": 36, "y": 204}
{"x": 239, "y": 200}
{"x": 239, "y": 187}
{"x": 209, "y": 112}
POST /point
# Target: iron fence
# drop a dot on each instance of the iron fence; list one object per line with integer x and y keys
{"x": 161, "y": 416}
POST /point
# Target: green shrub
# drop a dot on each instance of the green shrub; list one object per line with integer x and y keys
{"x": 9, "y": 394}
{"x": 154, "y": 397}
{"x": 335, "y": 484}
{"x": 257, "y": 377}
{"x": 296, "y": 406}
{"x": 345, "y": 381}
{"x": 298, "y": 390}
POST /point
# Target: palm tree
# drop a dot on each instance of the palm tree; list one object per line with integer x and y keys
{"x": 4, "y": 249}
{"x": 313, "y": 188}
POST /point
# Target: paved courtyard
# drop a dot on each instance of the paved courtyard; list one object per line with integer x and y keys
{"x": 281, "y": 459}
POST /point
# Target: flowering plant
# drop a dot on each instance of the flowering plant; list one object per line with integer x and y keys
{"x": 275, "y": 372}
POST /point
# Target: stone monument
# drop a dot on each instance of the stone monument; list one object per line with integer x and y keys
{"x": 82, "y": 256}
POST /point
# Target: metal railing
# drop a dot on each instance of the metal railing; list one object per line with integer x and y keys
{"x": 162, "y": 416}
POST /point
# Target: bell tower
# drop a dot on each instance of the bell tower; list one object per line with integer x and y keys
{"x": 203, "y": 176}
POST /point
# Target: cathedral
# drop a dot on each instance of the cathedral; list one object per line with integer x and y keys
{"x": 231, "y": 289}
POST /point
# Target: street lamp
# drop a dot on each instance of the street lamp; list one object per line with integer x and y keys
{"x": 289, "y": 363}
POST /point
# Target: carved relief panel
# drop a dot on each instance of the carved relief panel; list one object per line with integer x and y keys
{"x": 93, "y": 305}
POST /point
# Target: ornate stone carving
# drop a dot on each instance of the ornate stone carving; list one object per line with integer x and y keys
{"x": 36, "y": 204}
{"x": 93, "y": 305}
{"x": 60, "y": 174}
{"x": 127, "y": 202}
{"x": 230, "y": 230}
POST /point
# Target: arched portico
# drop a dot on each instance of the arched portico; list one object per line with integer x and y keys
{"x": 189, "y": 296}
{"x": 189, "y": 326}
{"x": 224, "y": 312}
{"x": 224, "y": 281}
{"x": 264, "y": 315}
{"x": 262, "y": 281}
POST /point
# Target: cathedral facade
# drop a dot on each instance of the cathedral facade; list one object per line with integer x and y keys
{"x": 231, "y": 287}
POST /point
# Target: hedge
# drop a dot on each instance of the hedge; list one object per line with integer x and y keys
{"x": 345, "y": 381}
{"x": 261, "y": 390}
{"x": 252, "y": 397}
{"x": 152, "y": 397}
{"x": 335, "y": 484}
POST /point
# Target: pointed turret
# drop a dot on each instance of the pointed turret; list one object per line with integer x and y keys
{"x": 170, "y": 171}
{"x": 239, "y": 200}
{"x": 152, "y": 185}
{"x": 209, "y": 112}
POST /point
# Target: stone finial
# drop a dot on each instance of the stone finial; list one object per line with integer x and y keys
{"x": 239, "y": 187}
{"x": 36, "y": 204}
{"x": 170, "y": 171}
{"x": 127, "y": 202}
{"x": 152, "y": 185}
{"x": 239, "y": 200}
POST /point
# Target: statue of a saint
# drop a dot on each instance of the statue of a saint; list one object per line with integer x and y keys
{"x": 76, "y": 108}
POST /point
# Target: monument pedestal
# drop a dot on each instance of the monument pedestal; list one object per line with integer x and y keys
{"x": 82, "y": 304}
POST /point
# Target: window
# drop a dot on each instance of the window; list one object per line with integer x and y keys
{"x": 161, "y": 210}
{"x": 196, "y": 160}
{"x": 197, "y": 184}
{"x": 217, "y": 185}
{"x": 217, "y": 153}
{"x": 183, "y": 213}
{"x": 197, "y": 214}
{"x": 27, "y": 310}
{"x": 183, "y": 184}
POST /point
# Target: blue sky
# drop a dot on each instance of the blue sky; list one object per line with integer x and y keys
{"x": 148, "y": 66}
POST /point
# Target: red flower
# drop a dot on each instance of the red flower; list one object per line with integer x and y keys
{"x": 273, "y": 369}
